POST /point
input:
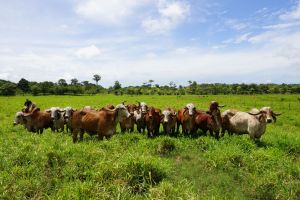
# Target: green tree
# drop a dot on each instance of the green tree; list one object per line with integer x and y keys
{"x": 97, "y": 78}
{"x": 23, "y": 85}
{"x": 117, "y": 85}
{"x": 74, "y": 81}
{"x": 62, "y": 82}
{"x": 8, "y": 89}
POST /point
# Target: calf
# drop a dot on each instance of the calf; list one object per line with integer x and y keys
{"x": 253, "y": 123}
{"x": 168, "y": 120}
{"x": 186, "y": 118}
{"x": 57, "y": 117}
{"x": 103, "y": 122}
{"x": 152, "y": 119}
{"x": 38, "y": 120}
{"x": 127, "y": 124}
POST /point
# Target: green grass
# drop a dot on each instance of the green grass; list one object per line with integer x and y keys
{"x": 131, "y": 166}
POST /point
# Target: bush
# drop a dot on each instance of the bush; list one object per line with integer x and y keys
{"x": 166, "y": 146}
{"x": 141, "y": 176}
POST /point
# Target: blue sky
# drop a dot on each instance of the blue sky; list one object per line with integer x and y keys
{"x": 133, "y": 41}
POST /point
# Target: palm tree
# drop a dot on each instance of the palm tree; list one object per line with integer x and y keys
{"x": 97, "y": 78}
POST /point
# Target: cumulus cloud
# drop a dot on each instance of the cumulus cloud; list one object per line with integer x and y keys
{"x": 88, "y": 52}
{"x": 171, "y": 14}
{"x": 110, "y": 12}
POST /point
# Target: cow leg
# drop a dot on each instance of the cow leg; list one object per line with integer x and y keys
{"x": 81, "y": 135}
{"x": 100, "y": 137}
{"x": 178, "y": 126}
{"x": 217, "y": 135}
{"x": 108, "y": 137}
{"x": 211, "y": 132}
{"x": 139, "y": 129}
{"x": 75, "y": 136}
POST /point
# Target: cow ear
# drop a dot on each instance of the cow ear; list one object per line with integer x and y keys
{"x": 261, "y": 117}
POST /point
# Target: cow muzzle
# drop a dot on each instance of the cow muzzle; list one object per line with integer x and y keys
{"x": 269, "y": 120}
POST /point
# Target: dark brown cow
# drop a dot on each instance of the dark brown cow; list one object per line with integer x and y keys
{"x": 152, "y": 119}
{"x": 186, "y": 118}
{"x": 127, "y": 124}
{"x": 102, "y": 122}
{"x": 168, "y": 120}
{"x": 214, "y": 106}
{"x": 37, "y": 120}
{"x": 208, "y": 122}
{"x": 28, "y": 106}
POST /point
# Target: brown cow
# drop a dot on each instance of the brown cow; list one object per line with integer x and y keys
{"x": 127, "y": 124}
{"x": 37, "y": 120}
{"x": 209, "y": 122}
{"x": 168, "y": 120}
{"x": 186, "y": 118}
{"x": 152, "y": 119}
{"x": 103, "y": 122}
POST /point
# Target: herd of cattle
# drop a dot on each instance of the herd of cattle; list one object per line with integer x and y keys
{"x": 103, "y": 122}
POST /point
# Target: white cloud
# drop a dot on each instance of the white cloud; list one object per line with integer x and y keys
{"x": 88, "y": 52}
{"x": 239, "y": 39}
{"x": 282, "y": 25}
{"x": 171, "y": 14}
{"x": 236, "y": 24}
{"x": 293, "y": 14}
{"x": 110, "y": 12}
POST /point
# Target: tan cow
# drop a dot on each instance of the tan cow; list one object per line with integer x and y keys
{"x": 102, "y": 122}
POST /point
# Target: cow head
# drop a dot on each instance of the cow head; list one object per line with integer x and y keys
{"x": 122, "y": 111}
{"x": 167, "y": 116}
{"x": 131, "y": 108}
{"x": 55, "y": 112}
{"x": 68, "y": 112}
{"x": 190, "y": 108}
{"x": 214, "y": 106}
{"x": 265, "y": 114}
{"x": 143, "y": 107}
{"x": 19, "y": 118}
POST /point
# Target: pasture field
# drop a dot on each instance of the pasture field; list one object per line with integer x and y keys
{"x": 131, "y": 166}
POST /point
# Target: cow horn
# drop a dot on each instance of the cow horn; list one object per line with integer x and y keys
{"x": 221, "y": 106}
{"x": 277, "y": 114}
{"x": 255, "y": 113}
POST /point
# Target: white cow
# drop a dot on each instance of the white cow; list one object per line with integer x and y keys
{"x": 253, "y": 123}
{"x": 57, "y": 116}
{"x": 68, "y": 111}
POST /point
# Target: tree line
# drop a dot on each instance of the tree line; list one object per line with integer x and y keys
{"x": 75, "y": 87}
